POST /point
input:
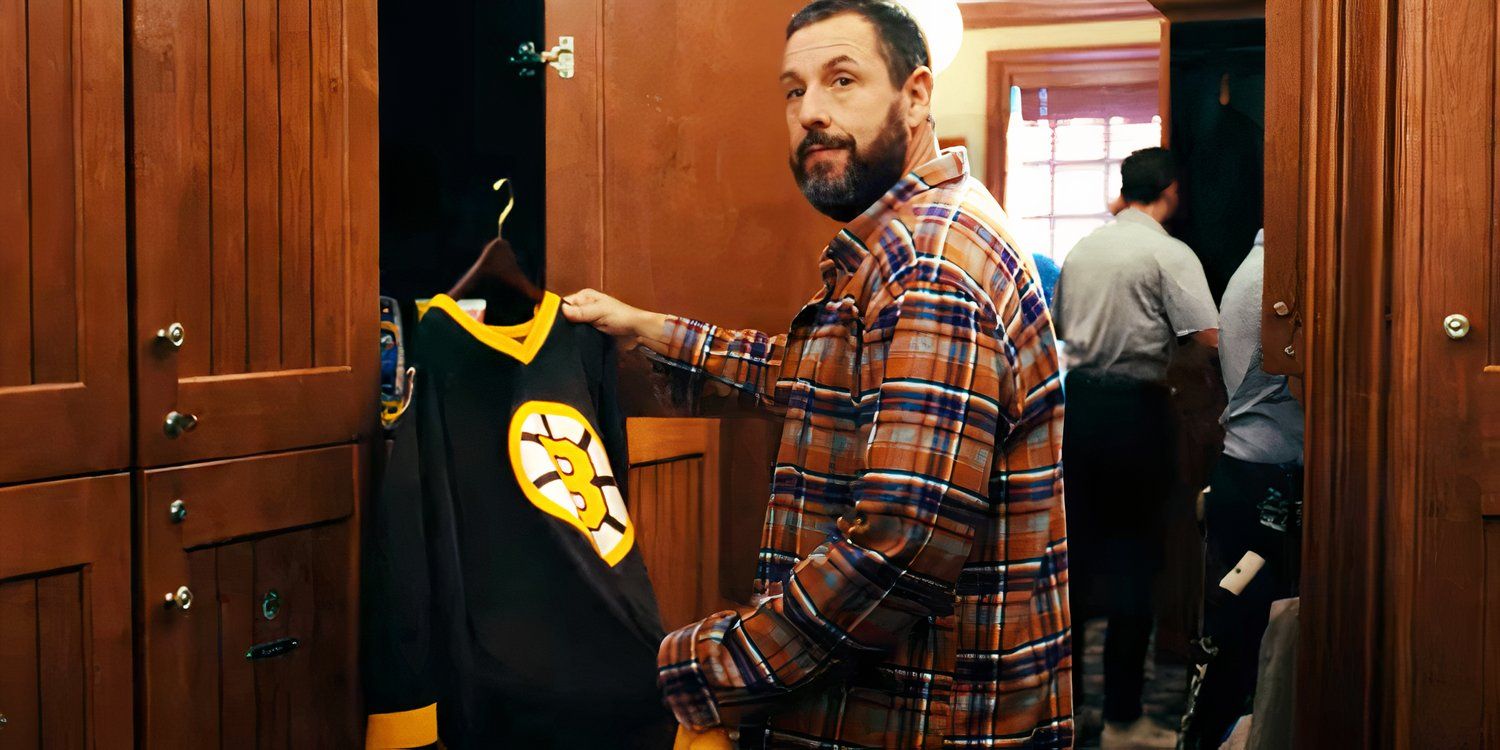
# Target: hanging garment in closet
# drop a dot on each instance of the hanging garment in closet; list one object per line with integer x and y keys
{"x": 505, "y": 602}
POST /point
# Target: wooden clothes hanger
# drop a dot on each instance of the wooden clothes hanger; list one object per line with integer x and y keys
{"x": 497, "y": 266}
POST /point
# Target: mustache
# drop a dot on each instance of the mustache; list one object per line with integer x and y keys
{"x": 824, "y": 139}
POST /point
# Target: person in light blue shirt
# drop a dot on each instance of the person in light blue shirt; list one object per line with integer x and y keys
{"x": 1253, "y": 506}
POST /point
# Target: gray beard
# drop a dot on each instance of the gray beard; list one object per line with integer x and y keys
{"x": 866, "y": 178}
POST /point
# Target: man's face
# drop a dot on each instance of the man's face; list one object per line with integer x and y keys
{"x": 847, "y": 121}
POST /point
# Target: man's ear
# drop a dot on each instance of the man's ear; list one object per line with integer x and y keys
{"x": 918, "y": 91}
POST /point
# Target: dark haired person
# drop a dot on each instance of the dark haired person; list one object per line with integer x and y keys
{"x": 1127, "y": 295}
{"x": 912, "y": 580}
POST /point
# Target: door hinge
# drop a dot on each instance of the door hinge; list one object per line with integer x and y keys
{"x": 529, "y": 61}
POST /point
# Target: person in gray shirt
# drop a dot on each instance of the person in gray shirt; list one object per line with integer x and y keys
{"x": 1128, "y": 295}
{"x": 1253, "y": 507}
{"x": 1263, "y": 423}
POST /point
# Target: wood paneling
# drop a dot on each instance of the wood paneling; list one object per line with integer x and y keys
{"x": 668, "y": 186}
{"x": 677, "y": 166}
{"x": 255, "y": 211}
{"x": 1446, "y": 262}
{"x": 1179, "y": 11}
{"x": 63, "y": 358}
{"x": 1394, "y": 188}
{"x": 1092, "y": 66}
{"x": 15, "y": 197}
{"x": 675, "y": 487}
{"x": 1287, "y": 111}
{"x": 1346, "y": 196}
{"x": 980, "y": 14}
{"x": 286, "y": 523}
{"x": 65, "y": 662}
{"x": 20, "y": 698}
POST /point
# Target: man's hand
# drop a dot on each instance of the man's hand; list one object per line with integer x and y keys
{"x": 630, "y": 325}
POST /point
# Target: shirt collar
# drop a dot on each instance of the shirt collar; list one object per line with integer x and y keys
{"x": 1134, "y": 215}
{"x": 847, "y": 250}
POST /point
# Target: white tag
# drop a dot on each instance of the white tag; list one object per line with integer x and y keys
{"x": 1236, "y": 580}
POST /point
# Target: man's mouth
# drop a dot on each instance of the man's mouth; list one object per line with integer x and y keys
{"x": 815, "y": 150}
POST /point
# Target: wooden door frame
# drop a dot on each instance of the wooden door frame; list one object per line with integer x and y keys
{"x": 1055, "y": 66}
{"x": 1338, "y": 118}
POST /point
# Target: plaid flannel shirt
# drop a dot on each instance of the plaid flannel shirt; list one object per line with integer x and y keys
{"x": 912, "y": 580}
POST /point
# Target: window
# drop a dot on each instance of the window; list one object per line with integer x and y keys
{"x": 1062, "y": 173}
{"x": 1061, "y": 122}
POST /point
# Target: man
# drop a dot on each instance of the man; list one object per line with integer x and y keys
{"x": 912, "y": 582}
{"x": 1127, "y": 295}
{"x": 1252, "y": 507}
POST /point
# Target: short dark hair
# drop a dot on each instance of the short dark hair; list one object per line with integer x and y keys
{"x": 901, "y": 39}
{"x": 1146, "y": 174}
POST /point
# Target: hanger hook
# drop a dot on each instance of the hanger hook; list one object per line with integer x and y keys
{"x": 510, "y": 202}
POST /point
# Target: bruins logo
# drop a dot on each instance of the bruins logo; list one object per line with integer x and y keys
{"x": 564, "y": 470}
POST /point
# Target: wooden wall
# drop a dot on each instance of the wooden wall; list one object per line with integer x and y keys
{"x": 668, "y": 186}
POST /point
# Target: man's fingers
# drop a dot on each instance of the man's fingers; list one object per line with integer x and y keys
{"x": 581, "y": 297}
{"x": 577, "y": 312}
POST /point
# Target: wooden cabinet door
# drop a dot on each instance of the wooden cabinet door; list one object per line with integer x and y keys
{"x": 63, "y": 359}
{"x": 264, "y": 655}
{"x": 255, "y": 224}
{"x": 667, "y": 177}
{"x": 674, "y": 494}
{"x": 668, "y": 187}
{"x": 65, "y": 671}
{"x": 1448, "y": 337}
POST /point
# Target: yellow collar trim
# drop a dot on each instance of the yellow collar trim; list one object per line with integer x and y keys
{"x": 521, "y": 341}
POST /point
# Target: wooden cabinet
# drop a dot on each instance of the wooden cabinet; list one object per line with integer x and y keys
{"x": 242, "y": 298}
{"x": 255, "y": 272}
{"x": 64, "y": 370}
{"x": 65, "y": 669}
{"x": 266, "y": 550}
{"x": 255, "y": 225}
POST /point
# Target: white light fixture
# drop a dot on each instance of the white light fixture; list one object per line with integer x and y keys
{"x": 943, "y": 26}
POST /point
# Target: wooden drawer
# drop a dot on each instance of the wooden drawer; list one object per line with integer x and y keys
{"x": 228, "y": 500}
{"x": 268, "y": 548}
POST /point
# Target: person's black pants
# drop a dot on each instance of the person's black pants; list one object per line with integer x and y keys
{"x": 1242, "y": 493}
{"x": 1118, "y": 463}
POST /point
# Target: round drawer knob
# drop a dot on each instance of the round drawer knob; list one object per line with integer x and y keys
{"x": 180, "y": 600}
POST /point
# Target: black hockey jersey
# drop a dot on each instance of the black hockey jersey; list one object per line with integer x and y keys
{"x": 505, "y": 602}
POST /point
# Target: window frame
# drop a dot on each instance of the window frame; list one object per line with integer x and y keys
{"x": 1066, "y": 66}
{"x": 1106, "y": 164}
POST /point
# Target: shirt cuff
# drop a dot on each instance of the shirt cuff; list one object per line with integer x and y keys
{"x": 681, "y": 675}
{"x": 687, "y": 341}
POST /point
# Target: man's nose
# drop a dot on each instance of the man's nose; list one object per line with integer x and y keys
{"x": 813, "y": 114}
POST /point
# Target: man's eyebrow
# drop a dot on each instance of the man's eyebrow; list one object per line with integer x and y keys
{"x": 790, "y": 77}
{"x": 840, "y": 60}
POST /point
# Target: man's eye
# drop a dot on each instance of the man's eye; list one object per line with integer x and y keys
{"x": 794, "y": 93}
{"x": 843, "y": 81}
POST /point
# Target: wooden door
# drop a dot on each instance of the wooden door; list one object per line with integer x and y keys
{"x": 63, "y": 357}
{"x": 264, "y": 654}
{"x": 255, "y": 224}
{"x": 1446, "y": 240}
{"x": 65, "y": 670}
{"x": 668, "y": 186}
